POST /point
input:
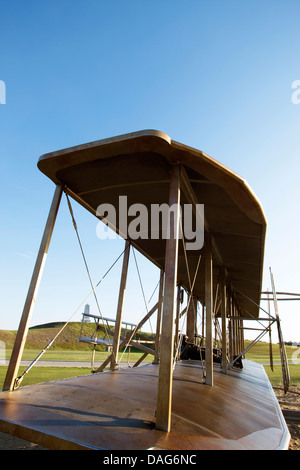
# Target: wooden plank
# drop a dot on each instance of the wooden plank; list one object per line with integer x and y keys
{"x": 21, "y": 336}
{"x": 164, "y": 395}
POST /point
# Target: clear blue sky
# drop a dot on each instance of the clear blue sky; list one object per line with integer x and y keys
{"x": 213, "y": 75}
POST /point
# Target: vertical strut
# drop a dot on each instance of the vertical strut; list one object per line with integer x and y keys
{"x": 209, "y": 310}
{"x": 284, "y": 362}
{"x": 164, "y": 393}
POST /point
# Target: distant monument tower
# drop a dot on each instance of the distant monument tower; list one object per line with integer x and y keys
{"x": 86, "y": 312}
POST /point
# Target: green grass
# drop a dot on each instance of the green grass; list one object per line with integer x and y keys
{"x": 260, "y": 352}
{"x": 46, "y": 374}
{"x": 67, "y": 348}
{"x": 275, "y": 377}
{"x": 70, "y": 355}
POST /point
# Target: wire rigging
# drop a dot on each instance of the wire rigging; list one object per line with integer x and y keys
{"x": 191, "y": 285}
{"x": 146, "y": 305}
{"x": 19, "y": 379}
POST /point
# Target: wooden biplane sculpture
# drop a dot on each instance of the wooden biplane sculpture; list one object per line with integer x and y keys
{"x": 170, "y": 403}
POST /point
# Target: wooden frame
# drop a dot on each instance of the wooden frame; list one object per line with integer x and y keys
{"x": 149, "y": 394}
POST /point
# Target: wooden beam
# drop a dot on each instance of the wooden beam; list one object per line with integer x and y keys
{"x": 137, "y": 345}
{"x": 208, "y": 309}
{"x": 118, "y": 323}
{"x": 191, "y": 319}
{"x": 270, "y": 336}
{"x": 21, "y": 336}
{"x": 258, "y": 319}
{"x": 224, "y": 330}
{"x": 158, "y": 320}
{"x": 164, "y": 393}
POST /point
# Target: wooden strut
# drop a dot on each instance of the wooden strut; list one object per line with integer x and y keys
{"x": 223, "y": 315}
{"x": 117, "y": 334}
{"x": 22, "y": 332}
{"x": 208, "y": 310}
{"x": 284, "y": 361}
{"x": 270, "y": 339}
{"x": 164, "y": 392}
{"x": 158, "y": 320}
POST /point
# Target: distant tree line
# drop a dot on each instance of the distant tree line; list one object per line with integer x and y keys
{"x": 292, "y": 343}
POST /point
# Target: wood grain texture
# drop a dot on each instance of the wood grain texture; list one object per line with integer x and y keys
{"x": 116, "y": 410}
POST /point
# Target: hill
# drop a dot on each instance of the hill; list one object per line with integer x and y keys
{"x": 39, "y": 336}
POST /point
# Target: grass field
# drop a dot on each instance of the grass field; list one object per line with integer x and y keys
{"x": 45, "y": 374}
{"x": 67, "y": 348}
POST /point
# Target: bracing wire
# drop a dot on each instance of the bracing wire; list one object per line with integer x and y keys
{"x": 85, "y": 261}
{"x": 19, "y": 379}
{"x": 142, "y": 288}
{"x": 191, "y": 285}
